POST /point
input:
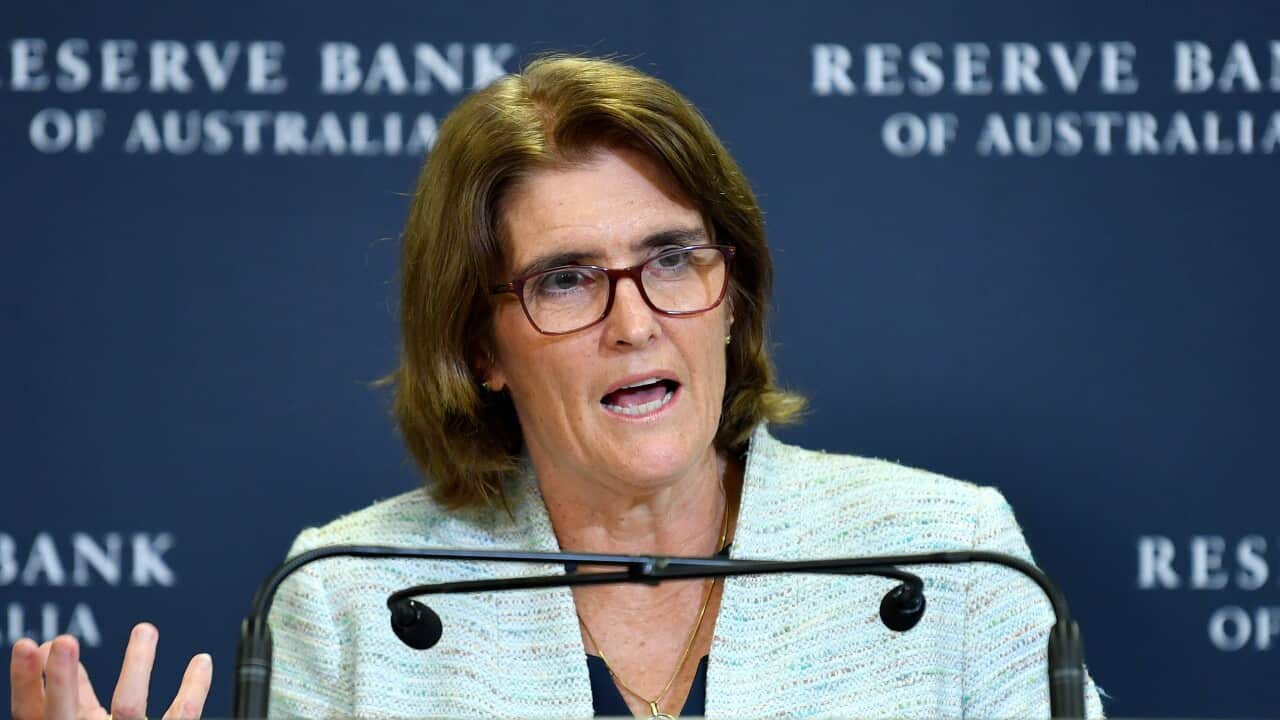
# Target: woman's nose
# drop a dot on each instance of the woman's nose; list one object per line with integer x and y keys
{"x": 631, "y": 321}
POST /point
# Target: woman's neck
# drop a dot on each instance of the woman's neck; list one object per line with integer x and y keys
{"x": 683, "y": 516}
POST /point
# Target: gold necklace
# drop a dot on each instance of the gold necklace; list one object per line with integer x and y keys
{"x": 655, "y": 713}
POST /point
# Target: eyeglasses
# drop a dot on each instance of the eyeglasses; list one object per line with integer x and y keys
{"x": 675, "y": 282}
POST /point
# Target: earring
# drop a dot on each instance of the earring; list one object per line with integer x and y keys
{"x": 485, "y": 384}
{"x": 728, "y": 339}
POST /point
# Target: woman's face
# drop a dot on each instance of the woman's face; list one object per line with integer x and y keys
{"x": 617, "y": 210}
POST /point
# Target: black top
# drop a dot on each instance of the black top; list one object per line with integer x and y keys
{"x": 608, "y": 701}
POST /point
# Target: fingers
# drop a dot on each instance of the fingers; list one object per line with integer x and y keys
{"x": 44, "y": 653}
{"x": 48, "y": 682}
{"x": 26, "y": 688}
{"x": 60, "y": 679}
{"x": 130, "y": 699}
{"x": 189, "y": 703}
{"x": 90, "y": 707}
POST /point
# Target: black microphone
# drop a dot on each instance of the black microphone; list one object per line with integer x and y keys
{"x": 419, "y": 627}
{"x": 900, "y": 609}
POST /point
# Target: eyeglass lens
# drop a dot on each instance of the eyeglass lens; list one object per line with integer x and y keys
{"x": 682, "y": 280}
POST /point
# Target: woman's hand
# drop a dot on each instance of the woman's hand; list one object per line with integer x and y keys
{"x": 66, "y": 694}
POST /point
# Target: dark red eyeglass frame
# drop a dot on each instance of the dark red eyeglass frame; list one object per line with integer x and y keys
{"x": 516, "y": 285}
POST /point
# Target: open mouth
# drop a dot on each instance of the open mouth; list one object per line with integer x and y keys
{"x": 640, "y": 398}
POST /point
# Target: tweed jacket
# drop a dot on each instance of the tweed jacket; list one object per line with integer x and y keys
{"x": 784, "y": 646}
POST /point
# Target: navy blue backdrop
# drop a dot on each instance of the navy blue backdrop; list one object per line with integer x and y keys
{"x": 1021, "y": 244}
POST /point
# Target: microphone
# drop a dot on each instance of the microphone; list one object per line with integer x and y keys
{"x": 900, "y": 609}
{"x": 419, "y": 627}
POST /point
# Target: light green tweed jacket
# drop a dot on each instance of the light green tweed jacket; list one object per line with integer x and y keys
{"x": 784, "y": 646}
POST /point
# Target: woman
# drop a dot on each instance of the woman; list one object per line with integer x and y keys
{"x": 584, "y": 367}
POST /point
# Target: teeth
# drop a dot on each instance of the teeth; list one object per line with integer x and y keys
{"x": 647, "y": 381}
{"x": 642, "y": 409}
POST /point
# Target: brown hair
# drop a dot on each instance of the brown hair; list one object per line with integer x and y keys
{"x": 559, "y": 109}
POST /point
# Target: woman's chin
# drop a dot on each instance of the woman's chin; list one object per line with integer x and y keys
{"x": 655, "y": 462}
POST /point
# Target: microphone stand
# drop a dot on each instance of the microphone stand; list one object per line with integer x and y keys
{"x": 419, "y": 626}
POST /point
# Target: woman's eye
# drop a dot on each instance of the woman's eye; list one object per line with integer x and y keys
{"x": 673, "y": 260}
{"x": 561, "y": 281}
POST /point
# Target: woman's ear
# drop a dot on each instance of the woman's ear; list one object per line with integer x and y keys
{"x": 496, "y": 381}
{"x": 492, "y": 378}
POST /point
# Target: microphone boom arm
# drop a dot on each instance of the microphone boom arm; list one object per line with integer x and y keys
{"x": 253, "y": 662}
{"x": 651, "y": 570}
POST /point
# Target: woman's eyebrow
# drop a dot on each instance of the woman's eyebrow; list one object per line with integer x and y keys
{"x": 554, "y": 260}
{"x": 690, "y": 236}
{"x": 662, "y": 238}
